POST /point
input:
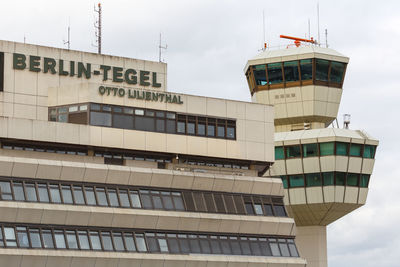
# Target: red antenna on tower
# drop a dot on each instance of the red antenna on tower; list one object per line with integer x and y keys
{"x": 297, "y": 41}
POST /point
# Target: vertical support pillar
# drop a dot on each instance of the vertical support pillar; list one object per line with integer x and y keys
{"x": 1, "y": 71}
{"x": 312, "y": 245}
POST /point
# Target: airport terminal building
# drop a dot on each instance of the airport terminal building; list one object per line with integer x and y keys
{"x": 100, "y": 165}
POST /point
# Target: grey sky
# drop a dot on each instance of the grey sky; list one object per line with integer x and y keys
{"x": 209, "y": 43}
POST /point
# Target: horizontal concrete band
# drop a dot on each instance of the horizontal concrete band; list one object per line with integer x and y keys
{"x": 125, "y": 175}
{"x": 62, "y": 258}
{"x": 39, "y": 213}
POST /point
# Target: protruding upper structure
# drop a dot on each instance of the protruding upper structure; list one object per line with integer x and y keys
{"x": 303, "y": 83}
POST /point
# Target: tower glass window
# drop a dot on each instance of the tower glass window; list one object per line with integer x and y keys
{"x": 291, "y": 69}
{"x": 342, "y": 149}
{"x": 369, "y": 151}
{"x": 310, "y": 150}
{"x": 279, "y": 153}
{"x": 296, "y": 180}
{"x": 314, "y": 179}
{"x": 337, "y": 71}
{"x": 275, "y": 73}
{"x": 321, "y": 71}
{"x": 260, "y": 74}
{"x": 327, "y": 149}
{"x": 306, "y": 69}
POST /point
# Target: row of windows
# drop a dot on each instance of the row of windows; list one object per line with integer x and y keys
{"x": 325, "y": 149}
{"x": 45, "y": 237}
{"x": 144, "y": 120}
{"x": 325, "y": 179}
{"x": 295, "y": 73}
{"x": 127, "y": 197}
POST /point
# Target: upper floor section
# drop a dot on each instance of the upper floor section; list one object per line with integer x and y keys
{"x": 303, "y": 83}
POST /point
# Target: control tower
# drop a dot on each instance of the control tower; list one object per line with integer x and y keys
{"x": 325, "y": 170}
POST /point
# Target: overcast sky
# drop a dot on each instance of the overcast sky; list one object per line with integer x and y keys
{"x": 209, "y": 43}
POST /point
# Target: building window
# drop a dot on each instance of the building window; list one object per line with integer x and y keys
{"x": 260, "y": 74}
{"x": 310, "y": 150}
{"x": 337, "y": 71}
{"x": 293, "y": 151}
{"x": 321, "y": 70}
{"x": 279, "y": 153}
{"x": 296, "y": 180}
{"x": 314, "y": 179}
{"x": 275, "y": 73}
{"x": 355, "y": 150}
{"x": 327, "y": 149}
{"x": 369, "y": 152}
{"x": 291, "y": 69}
{"x": 306, "y": 69}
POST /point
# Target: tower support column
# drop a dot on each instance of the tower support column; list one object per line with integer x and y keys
{"x": 311, "y": 242}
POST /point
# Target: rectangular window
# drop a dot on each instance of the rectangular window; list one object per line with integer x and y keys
{"x": 328, "y": 178}
{"x": 364, "y": 180}
{"x": 198, "y": 199}
{"x": 221, "y": 131}
{"x": 43, "y": 193}
{"x": 55, "y": 193}
{"x": 310, "y": 150}
{"x": 22, "y": 235}
{"x": 95, "y": 240}
{"x": 291, "y": 71}
{"x": 178, "y": 201}
{"x": 135, "y": 199}
{"x": 90, "y": 198}
{"x": 293, "y": 151}
{"x": 352, "y": 179}
{"x": 201, "y": 129}
{"x": 112, "y": 196}
{"x": 322, "y": 68}
{"x": 280, "y": 210}
{"x": 83, "y": 240}
{"x": 101, "y": 196}
{"x": 123, "y": 196}
{"x": 275, "y": 73}
{"x": 211, "y": 127}
{"x": 284, "y": 181}
{"x": 47, "y": 239}
{"x": 60, "y": 239}
{"x": 78, "y": 195}
{"x": 100, "y": 119}
{"x": 342, "y": 149}
{"x": 230, "y": 132}
{"x": 118, "y": 242}
{"x": 306, "y": 69}
{"x": 340, "y": 178}
{"x": 296, "y": 180}
{"x": 337, "y": 71}
{"x": 369, "y": 151}
{"x": 140, "y": 243}
{"x": 129, "y": 242}
{"x": 122, "y": 121}
{"x": 355, "y": 150}
{"x": 313, "y": 179}
{"x": 160, "y": 125}
{"x": 35, "y": 238}
{"x": 66, "y": 194}
{"x": 327, "y": 149}
{"x": 107, "y": 243}
{"x": 71, "y": 240}
{"x": 260, "y": 74}
{"x": 5, "y": 189}
{"x": 181, "y": 128}
{"x": 18, "y": 191}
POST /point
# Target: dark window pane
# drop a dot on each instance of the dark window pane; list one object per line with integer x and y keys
{"x": 100, "y": 119}
{"x": 171, "y": 126}
{"x": 326, "y": 149}
{"x": 293, "y": 151}
{"x": 160, "y": 125}
{"x": 328, "y": 178}
{"x": 221, "y": 131}
{"x": 5, "y": 188}
{"x": 22, "y": 235}
{"x": 291, "y": 71}
{"x": 195, "y": 245}
{"x": 157, "y": 202}
{"x": 43, "y": 193}
{"x": 268, "y": 210}
{"x": 152, "y": 243}
{"x": 190, "y": 128}
{"x": 184, "y": 243}
{"x": 181, "y": 127}
{"x": 341, "y": 148}
{"x": 321, "y": 72}
{"x": 95, "y": 240}
{"x": 205, "y": 246}
{"x": 160, "y": 114}
{"x": 284, "y": 181}
{"x": 249, "y": 208}
{"x": 123, "y": 196}
{"x": 144, "y": 124}
{"x": 313, "y": 179}
{"x": 275, "y": 73}
{"x": 355, "y": 150}
{"x": 47, "y": 239}
{"x": 255, "y": 248}
{"x": 112, "y": 196}
{"x": 146, "y": 200}
{"x": 173, "y": 245}
{"x": 107, "y": 243}
{"x": 30, "y": 192}
{"x": 230, "y": 132}
{"x": 101, "y": 196}
{"x": 239, "y": 204}
{"x": 265, "y": 249}
{"x": 210, "y": 130}
{"x": 18, "y": 191}
{"x": 90, "y": 198}
{"x": 208, "y": 197}
{"x": 78, "y": 195}
{"x": 293, "y": 250}
{"x": 306, "y": 69}
{"x": 201, "y": 129}
{"x": 260, "y": 74}
{"x": 219, "y": 203}
{"x": 310, "y": 150}
{"x": 167, "y": 200}
{"x": 66, "y": 194}
{"x": 296, "y": 180}
{"x": 71, "y": 240}
{"x": 83, "y": 240}
{"x": 226, "y": 248}
{"x": 122, "y": 121}
{"x": 198, "y": 199}
{"x": 352, "y": 179}
{"x": 55, "y": 193}
{"x": 279, "y": 153}
{"x": 364, "y": 180}
{"x": 280, "y": 210}
{"x": 340, "y": 177}
{"x": 235, "y": 246}
{"x": 78, "y": 118}
{"x": 35, "y": 238}
{"x": 60, "y": 239}
{"x": 337, "y": 71}
{"x": 129, "y": 242}
{"x": 189, "y": 201}
{"x": 178, "y": 201}
{"x": 215, "y": 246}
{"x": 94, "y": 106}
{"x": 230, "y": 205}
{"x": 244, "y": 244}
{"x": 369, "y": 151}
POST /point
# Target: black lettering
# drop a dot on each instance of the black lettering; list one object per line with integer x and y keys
{"x": 102, "y": 90}
{"x": 49, "y": 64}
{"x": 144, "y": 77}
{"x": 34, "y": 63}
{"x": 117, "y": 74}
{"x": 72, "y": 68}
{"x": 61, "y": 70}
{"x": 155, "y": 83}
{"x": 84, "y": 70}
{"x": 130, "y": 76}
{"x": 19, "y": 61}
{"x": 105, "y": 71}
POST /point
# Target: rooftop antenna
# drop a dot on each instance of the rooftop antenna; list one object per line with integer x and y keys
{"x": 346, "y": 121}
{"x": 24, "y": 39}
{"x": 68, "y": 42}
{"x": 160, "y": 47}
{"x": 319, "y": 38}
{"x": 326, "y": 38}
{"x": 309, "y": 30}
{"x": 264, "y": 47}
{"x": 97, "y": 26}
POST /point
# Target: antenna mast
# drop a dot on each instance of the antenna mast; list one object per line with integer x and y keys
{"x": 319, "y": 37}
{"x": 160, "y": 47}
{"x": 265, "y": 43}
{"x": 326, "y": 38}
{"x": 68, "y": 42}
{"x": 309, "y": 30}
{"x": 97, "y": 26}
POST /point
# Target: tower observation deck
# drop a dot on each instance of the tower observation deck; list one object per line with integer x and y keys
{"x": 325, "y": 171}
